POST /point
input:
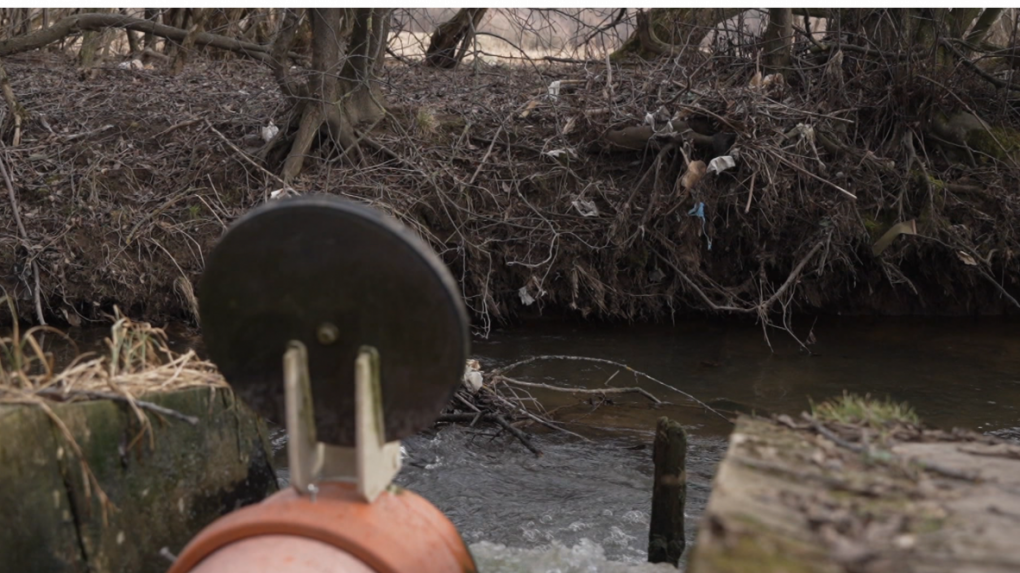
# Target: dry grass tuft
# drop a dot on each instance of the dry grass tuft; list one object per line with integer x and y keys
{"x": 864, "y": 410}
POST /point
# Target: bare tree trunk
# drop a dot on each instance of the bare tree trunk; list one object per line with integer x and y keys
{"x": 323, "y": 87}
{"x": 181, "y": 57}
{"x": 177, "y": 18}
{"x": 339, "y": 103}
{"x": 958, "y": 19}
{"x": 662, "y": 30}
{"x": 149, "y": 40}
{"x": 132, "y": 39}
{"x": 278, "y": 61}
{"x": 450, "y": 40}
{"x": 649, "y": 42}
{"x": 25, "y": 25}
{"x": 261, "y": 23}
{"x": 233, "y": 26}
{"x": 7, "y": 21}
{"x": 18, "y": 114}
{"x": 983, "y": 25}
{"x": 225, "y": 21}
{"x": 779, "y": 39}
{"x": 91, "y": 43}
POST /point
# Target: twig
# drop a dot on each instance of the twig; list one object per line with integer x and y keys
{"x": 485, "y": 157}
{"x": 570, "y": 60}
{"x": 493, "y": 417}
{"x": 459, "y": 418}
{"x": 630, "y": 390}
{"x": 866, "y": 450}
{"x": 164, "y": 552}
{"x": 245, "y": 155}
{"x": 712, "y": 305}
{"x": 517, "y": 433}
{"x": 615, "y": 22}
{"x": 977, "y": 69}
{"x": 812, "y": 175}
{"x": 538, "y": 419}
{"x": 979, "y": 269}
{"x": 750, "y": 193}
{"x": 793, "y": 275}
{"x": 24, "y": 236}
{"x": 503, "y": 370}
{"x": 467, "y": 404}
{"x": 87, "y": 133}
{"x": 175, "y": 127}
{"x": 213, "y": 211}
{"x": 120, "y": 398}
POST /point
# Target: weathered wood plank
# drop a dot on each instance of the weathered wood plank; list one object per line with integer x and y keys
{"x": 787, "y": 499}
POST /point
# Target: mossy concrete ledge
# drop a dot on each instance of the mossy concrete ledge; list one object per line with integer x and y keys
{"x": 163, "y": 493}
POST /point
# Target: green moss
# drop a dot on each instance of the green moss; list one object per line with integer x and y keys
{"x": 999, "y": 142}
{"x": 926, "y": 525}
{"x": 936, "y": 183}
{"x": 867, "y": 411}
{"x": 426, "y": 121}
{"x": 876, "y": 226}
{"x": 985, "y": 143}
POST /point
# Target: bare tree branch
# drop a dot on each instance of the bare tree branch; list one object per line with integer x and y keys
{"x": 92, "y": 22}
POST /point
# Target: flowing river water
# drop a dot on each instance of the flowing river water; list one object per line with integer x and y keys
{"x": 584, "y": 505}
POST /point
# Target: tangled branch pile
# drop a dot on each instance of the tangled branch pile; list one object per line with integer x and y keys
{"x": 636, "y": 192}
{"x": 598, "y": 199}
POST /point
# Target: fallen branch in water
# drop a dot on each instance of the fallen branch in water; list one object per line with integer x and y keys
{"x": 630, "y": 390}
{"x": 547, "y": 423}
{"x": 501, "y": 371}
{"x": 517, "y": 433}
{"x": 496, "y": 418}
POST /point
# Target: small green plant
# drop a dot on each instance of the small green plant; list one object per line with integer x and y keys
{"x": 193, "y": 211}
{"x": 426, "y": 120}
{"x": 864, "y": 410}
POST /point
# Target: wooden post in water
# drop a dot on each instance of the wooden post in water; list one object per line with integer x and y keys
{"x": 666, "y": 541}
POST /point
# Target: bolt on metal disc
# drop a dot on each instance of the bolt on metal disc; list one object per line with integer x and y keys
{"x": 335, "y": 276}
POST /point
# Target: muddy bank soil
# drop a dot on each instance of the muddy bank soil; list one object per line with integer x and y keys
{"x": 125, "y": 178}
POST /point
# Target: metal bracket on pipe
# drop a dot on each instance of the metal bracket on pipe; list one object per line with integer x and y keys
{"x": 372, "y": 463}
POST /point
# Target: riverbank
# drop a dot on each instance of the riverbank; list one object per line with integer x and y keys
{"x": 125, "y": 179}
{"x": 957, "y": 373}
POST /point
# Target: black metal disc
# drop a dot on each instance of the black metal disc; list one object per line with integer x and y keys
{"x": 287, "y": 269}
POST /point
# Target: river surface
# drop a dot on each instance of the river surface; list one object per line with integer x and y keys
{"x": 584, "y": 505}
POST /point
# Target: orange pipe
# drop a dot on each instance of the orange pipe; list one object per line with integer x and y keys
{"x": 280, "y": 553}
{"x": 400, "y": 532}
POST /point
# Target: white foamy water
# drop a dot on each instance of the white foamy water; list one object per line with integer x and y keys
{"x": 584, "y": 557}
